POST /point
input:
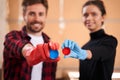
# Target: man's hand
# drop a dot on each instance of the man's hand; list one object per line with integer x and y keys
{"x": 39, "y": 53}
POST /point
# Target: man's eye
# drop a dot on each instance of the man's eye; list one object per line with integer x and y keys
{"x": 41, "y": 14}
{"x": 31, "y": 14}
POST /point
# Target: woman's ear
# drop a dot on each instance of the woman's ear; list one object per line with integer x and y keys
{"x": 103, "y": 19}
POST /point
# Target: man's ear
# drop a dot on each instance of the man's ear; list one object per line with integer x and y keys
{"x": 23, "y": 15}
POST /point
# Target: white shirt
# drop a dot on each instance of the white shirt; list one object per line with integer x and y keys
{"x": 37, "y": 69}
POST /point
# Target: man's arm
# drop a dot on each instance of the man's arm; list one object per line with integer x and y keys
{"x": 39, "y": 53}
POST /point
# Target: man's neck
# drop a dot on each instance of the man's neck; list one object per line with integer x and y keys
{"x": 36, "y": 34}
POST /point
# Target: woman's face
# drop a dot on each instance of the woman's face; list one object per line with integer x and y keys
{"x": 92, "y": 18}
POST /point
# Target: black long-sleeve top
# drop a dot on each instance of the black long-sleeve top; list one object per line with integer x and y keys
{"x": 103, "y": 48}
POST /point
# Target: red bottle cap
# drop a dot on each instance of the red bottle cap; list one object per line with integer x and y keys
{"x": 66, "y": 51}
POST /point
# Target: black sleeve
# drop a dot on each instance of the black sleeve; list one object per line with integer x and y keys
{"x": 106, "y": 49}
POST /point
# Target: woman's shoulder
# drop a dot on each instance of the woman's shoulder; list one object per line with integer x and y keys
{"x": 111, "y": 38}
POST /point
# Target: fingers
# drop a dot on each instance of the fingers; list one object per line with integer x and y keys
{"x": 54, "y": 45}
{"x": 68, "y": 43}
{"x": 65, "y": 44}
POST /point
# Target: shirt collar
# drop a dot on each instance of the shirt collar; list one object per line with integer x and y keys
{"x": 98, "y": 34}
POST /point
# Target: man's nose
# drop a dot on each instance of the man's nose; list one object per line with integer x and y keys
{"x": 37, "y": 17}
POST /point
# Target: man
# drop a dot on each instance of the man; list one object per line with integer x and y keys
{"x": 27, "y": 52}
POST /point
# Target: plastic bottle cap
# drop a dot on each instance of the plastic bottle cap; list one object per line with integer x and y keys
{"x": 54, "y": 54}
{"x": 66, "y": 51}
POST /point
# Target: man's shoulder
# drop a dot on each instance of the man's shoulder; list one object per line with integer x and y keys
{"x": 14, "y": 33}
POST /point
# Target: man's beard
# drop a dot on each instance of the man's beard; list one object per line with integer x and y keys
{"x": 29, "y": 27}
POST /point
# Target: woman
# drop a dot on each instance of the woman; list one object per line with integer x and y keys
{"x": 98, "y": 54}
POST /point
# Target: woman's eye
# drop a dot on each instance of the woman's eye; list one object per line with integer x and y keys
{"x": 85, "y": 15}
{"x": 94, "y": 14}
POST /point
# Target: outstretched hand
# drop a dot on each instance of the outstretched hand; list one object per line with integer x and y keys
{"x": 75, "y": 50}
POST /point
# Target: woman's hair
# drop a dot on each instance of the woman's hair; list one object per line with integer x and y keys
{"x": 26, "y": 3}
{"x": 98, "y": 3}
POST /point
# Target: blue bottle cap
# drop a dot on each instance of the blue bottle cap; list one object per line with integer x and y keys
{"x": 54, "y": 54}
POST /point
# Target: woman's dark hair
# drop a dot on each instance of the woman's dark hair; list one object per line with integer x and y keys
{"x": 26, "y": 3}
{"x": 98, "y": 3}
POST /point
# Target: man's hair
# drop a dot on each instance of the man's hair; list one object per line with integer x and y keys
{"x": 26, "y": 3}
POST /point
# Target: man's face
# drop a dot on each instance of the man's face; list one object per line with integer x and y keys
{"x": 35, "y": 17}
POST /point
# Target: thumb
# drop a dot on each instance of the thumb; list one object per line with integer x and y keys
{"x": 54, "y": 45}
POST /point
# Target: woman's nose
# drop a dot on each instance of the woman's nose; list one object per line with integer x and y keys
{"x": 89, "y": 17}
